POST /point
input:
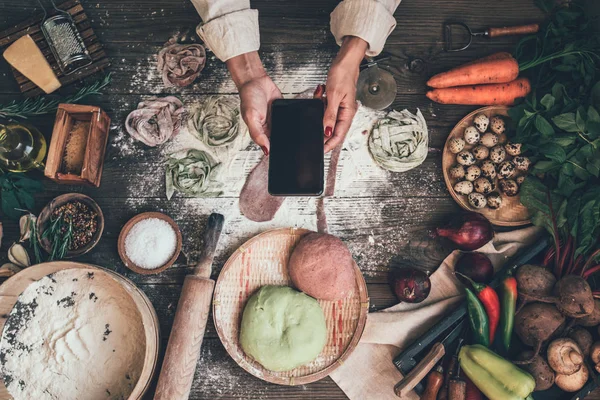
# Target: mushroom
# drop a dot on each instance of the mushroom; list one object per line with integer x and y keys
{"x": 489, "y": 139}
{"x": 564, "y": 356}
{"x": 465, "y": 158}
{"x": 473, "y": 172}
{"x": 463, "y": 187}
{"x": 456, "y": 145}
{"x": 573, "y": 382}
{"x": 481, "y": 122}
{"x": 497, "y": 125}
{"x": 457, "y": 171}
{"x": 481, "y": 152}
{"x": 595, "y": 355}
{"x": 471, "y": 135}
{"x": 583, "y": 338}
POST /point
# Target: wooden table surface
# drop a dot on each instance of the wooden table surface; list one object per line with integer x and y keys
{"x": 385, "y": 222}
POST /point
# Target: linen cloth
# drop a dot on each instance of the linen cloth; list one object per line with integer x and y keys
{"x": 230, "y": 27}
{"x": 369, "y": 373}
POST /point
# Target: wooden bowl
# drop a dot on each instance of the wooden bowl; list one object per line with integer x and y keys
{"x": 127, "y": 227}
{"x": 15, "y": 285}
{"x": 512, "y": 212}
{"x": 263, "y": 260}
{"x": 46, "y": 213}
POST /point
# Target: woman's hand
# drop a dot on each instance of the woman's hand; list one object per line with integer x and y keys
{"x": 341, "y": 91}
{"x": 257, "y": 92}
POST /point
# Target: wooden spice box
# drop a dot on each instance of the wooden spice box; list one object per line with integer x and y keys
{"x": 78, "y": 145}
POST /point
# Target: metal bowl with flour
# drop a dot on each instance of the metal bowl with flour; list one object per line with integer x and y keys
{"x": 72, "y": 331}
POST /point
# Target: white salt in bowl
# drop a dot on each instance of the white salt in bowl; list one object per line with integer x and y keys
{"x": 125, "y": 232}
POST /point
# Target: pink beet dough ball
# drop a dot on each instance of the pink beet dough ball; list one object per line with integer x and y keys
{"x": 322, "y": 267}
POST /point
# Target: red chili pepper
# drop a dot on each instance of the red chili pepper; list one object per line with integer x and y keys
{"x": 491, "y": 303}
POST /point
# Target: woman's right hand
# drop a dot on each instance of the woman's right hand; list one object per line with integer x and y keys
{"x": 257, "y": 92}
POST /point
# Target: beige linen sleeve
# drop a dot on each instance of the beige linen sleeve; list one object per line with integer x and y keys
{"x": 370, "y": 20}
{"x": 229, "y": 27}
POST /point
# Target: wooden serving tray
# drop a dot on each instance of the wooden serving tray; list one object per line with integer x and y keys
{"x": 512, "y": 212}
{"x": 263, "y": 260}
{"x": 32, "y": 27}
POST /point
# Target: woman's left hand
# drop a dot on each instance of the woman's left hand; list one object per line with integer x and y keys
{"x": 341, "y": 91}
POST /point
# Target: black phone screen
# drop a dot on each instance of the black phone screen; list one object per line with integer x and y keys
{"x": 296, "y": 156}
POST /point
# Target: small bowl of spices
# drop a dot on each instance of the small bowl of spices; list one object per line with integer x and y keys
{"x": 149, "y": 243}
{"x": 70, "y": 226}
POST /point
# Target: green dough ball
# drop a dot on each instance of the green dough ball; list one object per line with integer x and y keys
{"x": 282, "y": 328}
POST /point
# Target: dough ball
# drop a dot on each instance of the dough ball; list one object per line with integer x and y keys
{"x": 322, "y": 267}
{"x": 282, "y": 328}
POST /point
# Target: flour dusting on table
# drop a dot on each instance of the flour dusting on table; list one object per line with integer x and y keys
{"x": 74, "y": 334}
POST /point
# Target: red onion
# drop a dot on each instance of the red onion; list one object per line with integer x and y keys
{"x": 410, "y": 285}
{"x": 469, "y": 231}
{"x": 476, "y": 266}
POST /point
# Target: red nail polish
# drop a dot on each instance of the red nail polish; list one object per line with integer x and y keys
{"x": 328, "y": 131}
{"x": 265, "y": 150}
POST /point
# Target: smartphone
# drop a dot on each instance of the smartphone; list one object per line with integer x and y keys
{"x": 296, "y": 157}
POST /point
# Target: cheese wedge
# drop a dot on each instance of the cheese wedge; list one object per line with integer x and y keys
{"x": 27, "y": 58}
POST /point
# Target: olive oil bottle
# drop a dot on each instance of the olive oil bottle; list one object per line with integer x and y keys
{"x": 22, "y": 147}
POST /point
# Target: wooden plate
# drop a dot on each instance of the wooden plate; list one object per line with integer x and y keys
{"x": 263, "y": 261}
{"x": 14, "y": 286}
{"x": 512, "y": 212}
{"x": 59, "y": 201}
{"x": 121, "y": 243}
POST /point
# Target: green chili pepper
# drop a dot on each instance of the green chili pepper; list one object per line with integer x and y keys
{"x": 508, "y": 299}
{"x": 478, "y": 319}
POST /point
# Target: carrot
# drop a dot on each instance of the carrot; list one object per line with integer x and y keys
{"x": 496, "y": 68}
{"x": 482, "y": 95}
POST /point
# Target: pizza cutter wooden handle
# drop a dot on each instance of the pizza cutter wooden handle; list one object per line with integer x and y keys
{"x": 181, "y": 357}
{"x": 419, "y": 372}
{"x": 513, "y": 30}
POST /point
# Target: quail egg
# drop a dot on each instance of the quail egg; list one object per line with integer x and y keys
{"x": 471, "y": 135}
{"x": 482, "y": 185}
{"x": 477, "y": 200}
{"x": 456, "y": 145}
{"x": 509, "y": 187}
{"x": 520, "y": 180}
{"x": 481, "y": 122}
{"x": 497, "y": 125}
{"x": 522, "y": 163}
{"x": 489, "y": 139}
{"x": 473, "y": 172}
{"x": 488, "y": 169}
{"x": 465, "y": 158}
{"x": 481, "y": 152}
{"x": 497, "y": 154}
{"x": 463, "y": 187}
{"x": 514, "y": 149}
{"x": 494, "y": 201}
{"x": 506, "y": 169}
{"x": 457, "y": 171}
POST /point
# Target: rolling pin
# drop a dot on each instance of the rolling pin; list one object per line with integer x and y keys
{"x": 181, "y": 357}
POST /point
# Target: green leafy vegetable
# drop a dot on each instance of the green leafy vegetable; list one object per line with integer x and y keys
{"x": 561, "y": 134}
{"x": 59, "y": 233}
{"x": 16, "y": 193}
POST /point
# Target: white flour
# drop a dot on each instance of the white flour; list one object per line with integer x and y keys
{"x": 75, "y": 334}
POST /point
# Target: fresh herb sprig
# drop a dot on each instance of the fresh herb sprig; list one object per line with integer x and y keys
{"x": 44, "y": 105}
{"x": 559, "y": 126}
{"x": 17, "y": 192}
{"x": 60, "y": 235}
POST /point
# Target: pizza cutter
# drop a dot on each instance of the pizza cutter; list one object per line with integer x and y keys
{"x": 376, "y": 87}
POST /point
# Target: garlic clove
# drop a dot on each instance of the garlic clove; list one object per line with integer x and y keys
{"x": 18, "y": 255}
{"x": 7, "y": 270}
{"x": 25, "y": 223}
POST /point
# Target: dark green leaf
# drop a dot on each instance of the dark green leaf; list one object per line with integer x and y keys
{"x": 566, "y": 122}
{"x": 30, "y": 185}
{"x": 547, "y": 101}
{"x": 543, "y": 126}
{"x": 9, "y": 204}
{"x": 545, "y": 166}
{"x": 554, "y": 152}
{"x": 596, "y": 95}
{"x": 580, "y": 119}
{"x": 593, "y": 115}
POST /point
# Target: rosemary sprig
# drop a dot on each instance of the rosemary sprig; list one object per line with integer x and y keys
{"x": 60, "y": 234}
{"x": 34, "y": 242}
{"x": 43, "y": 105}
